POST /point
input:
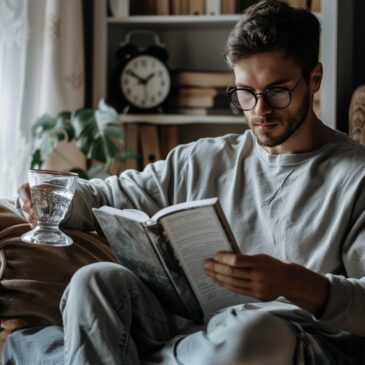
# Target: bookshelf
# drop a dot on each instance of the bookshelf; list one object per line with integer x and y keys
{"x": 189, "y": 40}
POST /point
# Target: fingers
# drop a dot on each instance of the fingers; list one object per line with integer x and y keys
{"x": 242, "y": 261}
{"x": 227, "y": 270}
{"x": 25, "y": 202}
{"x": 240, "y": 286}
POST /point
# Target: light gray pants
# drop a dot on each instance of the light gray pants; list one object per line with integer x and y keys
{"x": 111, "y": 317}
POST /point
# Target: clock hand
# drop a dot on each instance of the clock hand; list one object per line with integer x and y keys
{"x": 133, "y": 74}
{"x": 149, "y": 77}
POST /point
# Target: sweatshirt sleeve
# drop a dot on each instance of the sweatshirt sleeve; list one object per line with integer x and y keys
{"x": 345, "y": 308}
{"x": 160, "y": 184}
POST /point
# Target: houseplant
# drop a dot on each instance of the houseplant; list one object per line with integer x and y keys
{"x": 99, "y": 135}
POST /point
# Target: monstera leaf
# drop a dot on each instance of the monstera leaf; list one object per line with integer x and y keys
{"x": 47, "y": 133}
{"x": 99, "y": 134}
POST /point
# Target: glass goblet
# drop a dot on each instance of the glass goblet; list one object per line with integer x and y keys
{"x": 51, "y": 194}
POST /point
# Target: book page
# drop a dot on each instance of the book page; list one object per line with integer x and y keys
{"x": 196, "y": 235}
{"x": 134, "y": 214}
{"x": 182, "y": 206}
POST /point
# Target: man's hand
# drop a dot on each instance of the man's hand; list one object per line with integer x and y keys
{"x": 266, "y": 278}
{"x": 25, "y": 202}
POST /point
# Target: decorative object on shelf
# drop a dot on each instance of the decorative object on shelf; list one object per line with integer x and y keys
{"x": 119, "y": 8}
{"x": 213, "y": 7}
{"x": 143, "y": 77}
{"x": 357, "y": 115}
{"x": 99, "y": 135}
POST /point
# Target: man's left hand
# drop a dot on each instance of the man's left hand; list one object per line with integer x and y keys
{"x": 267, "y": 278}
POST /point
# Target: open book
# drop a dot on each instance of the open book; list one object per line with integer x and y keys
{"x": 167, "y": 251}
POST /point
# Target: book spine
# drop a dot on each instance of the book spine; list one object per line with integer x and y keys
{"x": 196, "y": 7}
{"x": 228, "y": 6}
{"x": 227, "y": 228}
{"x": 163, "y": 7}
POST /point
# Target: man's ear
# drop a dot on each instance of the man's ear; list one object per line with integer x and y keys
{"x": 316, "y": 78}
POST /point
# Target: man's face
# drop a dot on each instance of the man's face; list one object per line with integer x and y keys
{"x": 274, "y": 127}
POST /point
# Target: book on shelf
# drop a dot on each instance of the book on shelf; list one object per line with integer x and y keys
{"x": 219, "y": 79}
{"x": 176, "y": 7}
{"x": 184, "y": 7}
{"x": 228, "y": 6}
{"x": 162, "y": 7}
{"x": 197, "y": 91}
{"x": 167, "y": 251}
{"x": 315, "y": 6}
{"x": 299, "y": 3}
{"x": 197, "y": 7}
{"x": 206, "y": 111}
{"x": 206, "y": 101}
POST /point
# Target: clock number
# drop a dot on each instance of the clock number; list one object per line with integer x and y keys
{"x": 143, "y": 63}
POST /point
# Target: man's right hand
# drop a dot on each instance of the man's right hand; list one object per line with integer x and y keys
{"x": 25, "y": 202}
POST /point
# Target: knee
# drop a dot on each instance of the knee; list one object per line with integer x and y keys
{"x": 267, "y": 335}
{"x": 97, "y": 278}
{"x": 258, "y": 338}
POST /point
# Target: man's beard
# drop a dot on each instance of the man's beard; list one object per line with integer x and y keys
{"x": 292, "y": 125}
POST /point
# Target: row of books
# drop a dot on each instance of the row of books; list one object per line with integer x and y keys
{"x": 183, "y": 7}
{"x": 193, "y": 7}
{"x": 200, "y": 93}
{"x": 204, "y": 93}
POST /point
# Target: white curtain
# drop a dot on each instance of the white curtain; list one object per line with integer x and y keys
{"x": 41, "y": 71}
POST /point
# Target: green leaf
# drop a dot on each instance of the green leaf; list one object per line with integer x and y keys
{"x": 100, "y": 134}
{"x": 47, "y": 133}
{"x": 36, "y": 162}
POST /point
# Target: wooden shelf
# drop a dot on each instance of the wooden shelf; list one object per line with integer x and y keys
{"x": 179, "y": 119}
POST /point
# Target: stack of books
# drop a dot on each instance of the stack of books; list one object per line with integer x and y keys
{"x": 184, "y": 7}
{"x": 200, "y": 93}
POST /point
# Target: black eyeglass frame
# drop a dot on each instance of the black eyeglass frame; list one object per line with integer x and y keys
{"x": 229, "y": 92}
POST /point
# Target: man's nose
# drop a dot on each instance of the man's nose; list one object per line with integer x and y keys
{"x": 262, "y": 107}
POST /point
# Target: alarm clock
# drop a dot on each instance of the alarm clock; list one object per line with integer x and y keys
{"x": 143, "y": 77}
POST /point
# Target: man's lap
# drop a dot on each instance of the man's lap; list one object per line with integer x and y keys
{"x": 226, "y": 332}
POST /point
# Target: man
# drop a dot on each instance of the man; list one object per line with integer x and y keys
{"x": 293, "y": 191}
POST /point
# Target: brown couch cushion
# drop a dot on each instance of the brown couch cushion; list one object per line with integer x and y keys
{"x": 33, "y": 277}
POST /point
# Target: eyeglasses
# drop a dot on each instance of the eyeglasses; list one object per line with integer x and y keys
{"x": 276, "y": 97}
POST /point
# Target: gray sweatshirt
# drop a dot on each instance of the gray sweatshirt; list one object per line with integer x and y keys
{"x": 307, "y": 208}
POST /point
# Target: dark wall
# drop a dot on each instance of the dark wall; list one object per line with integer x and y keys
{"x": 88, "y": 43}
{"x": 359, "y": 43}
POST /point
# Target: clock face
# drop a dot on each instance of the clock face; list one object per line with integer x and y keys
{"x": 145, "y": 81}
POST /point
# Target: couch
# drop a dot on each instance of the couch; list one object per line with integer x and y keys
{"x": 33, "y": 277}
